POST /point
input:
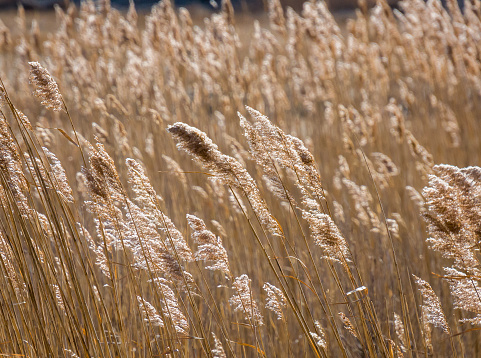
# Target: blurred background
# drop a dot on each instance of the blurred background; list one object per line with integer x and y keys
{"x": 246, "y": 5}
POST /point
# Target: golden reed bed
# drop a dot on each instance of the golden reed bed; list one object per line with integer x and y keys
{"x": 283, "y": 188}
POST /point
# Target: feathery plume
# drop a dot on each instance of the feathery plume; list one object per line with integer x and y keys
{"x": 170, "y": 306}
{"x": 7, "y": 258}
{"x": 150, "y": 251}
{"x": 276, "y": 16}
{"x": 45, "y": 87}
{"x": 200, "y": 191}
{"x": 466, "y": 293}
{"x": 424, "y": 159}
{"x": 149, "y": 312}
{"x": 11, "y": 168}
{"x": 140, "y": 183}
{"x": 38, "y": 172}
{"x": 384, "y": 164}
{"x": 400, "y": 332}
{"x": 416, "y": 198}
{"x": 210, "y": 247}
{"x": 151, "y": 215}
{"x": 431, "y": 308}
{"x": 226, "y": 169}
{"x": 101, "y": 258}
{"x": 397, "y": 121}
{"x": 269, "y": 144}
{"x": 348, "y": 325}
{"x": 453, "y": 216}
{"x": 218, "y": 351}
{"x": 338, "y": 211}
{"x": 220, "y": 229}
{"x": 275, "y": 300}
{"x": 319, "y": 336}
{"x": 44, "y": 135}
{"x": 393, "y": 227}
{"x": 327, "y": 235}
{"x": 244, "y": 302}
{"x": 344, "y": 167}
{"x": 61, "y": 181}
{"x": 228, "y": 11}
{"x": 175, "y": 169}
{"x": 100, "y": 133}
{"x": 149, "y": 145}
{"x": 24, "y": 119}
{"x": 102, "y": 177}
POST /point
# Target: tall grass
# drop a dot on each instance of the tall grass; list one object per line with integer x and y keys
{"x": 241, "y": 188}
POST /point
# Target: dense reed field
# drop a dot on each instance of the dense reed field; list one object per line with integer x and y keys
{"x": 283, "y": 188}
